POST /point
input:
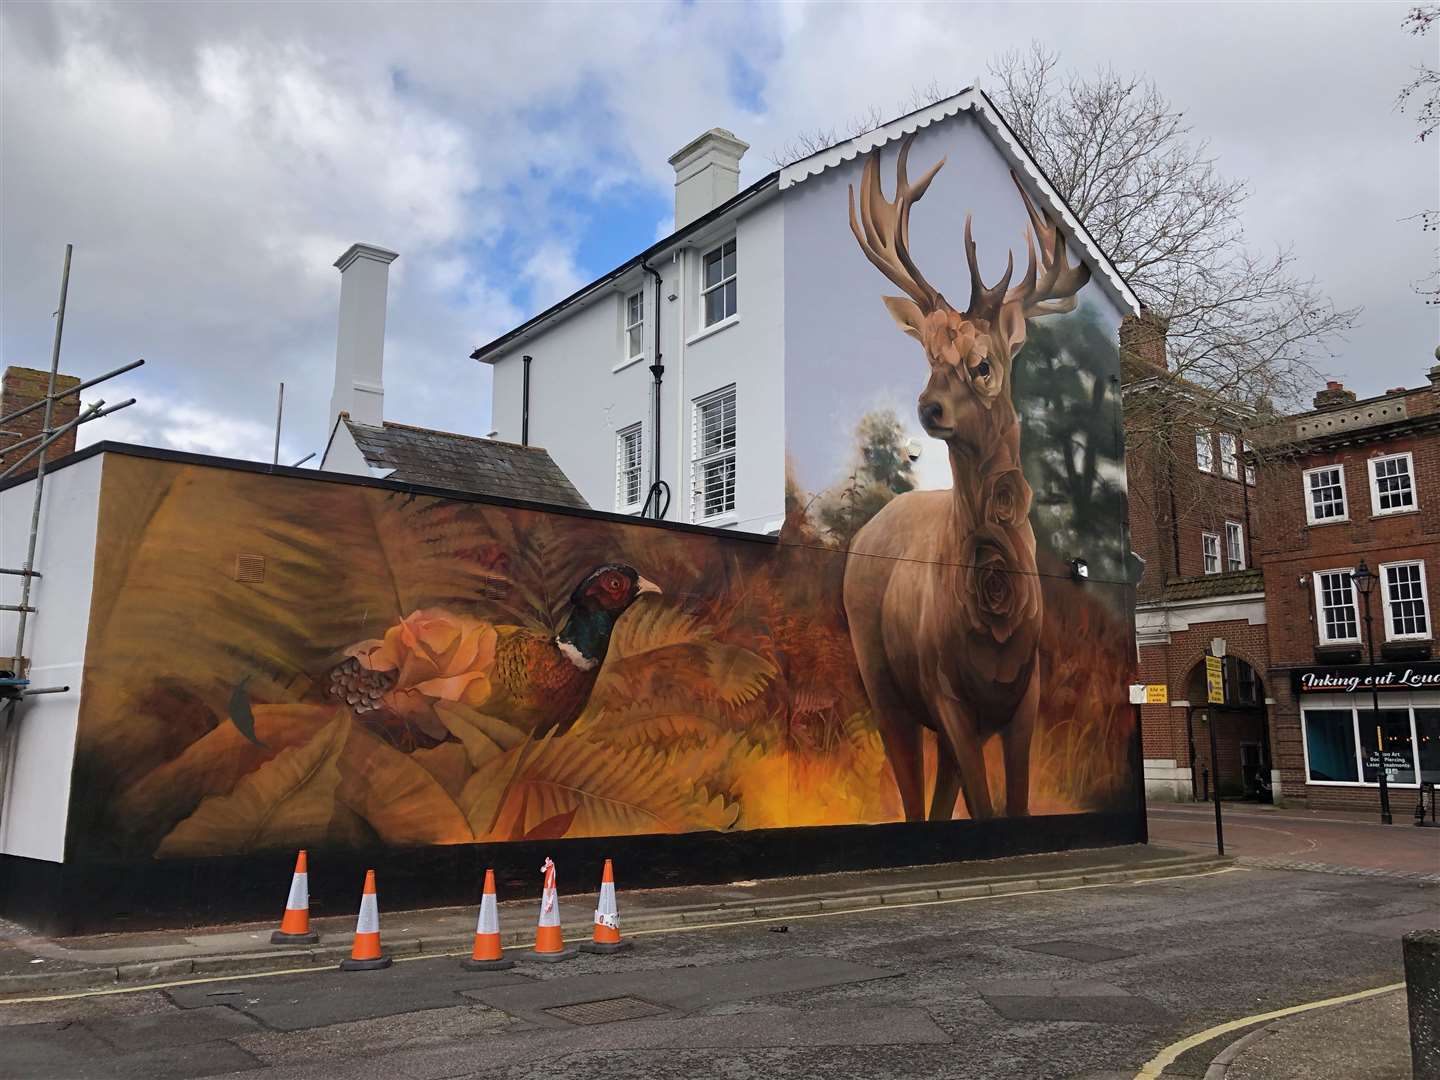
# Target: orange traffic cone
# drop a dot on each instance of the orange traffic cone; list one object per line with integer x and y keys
{"x": 487, "y": 955}
{"x": 365, "y": 954}
{"x": 607, "y": 918}
{"x": 295, "y": 924}
{"x": 549, "y": 941}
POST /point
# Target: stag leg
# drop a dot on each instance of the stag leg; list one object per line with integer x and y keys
{"x": 1015, "y": 739}
{"x": 959, "y": 731}
{"x": 947, "y": 782}
{"x": 901, "y": 739}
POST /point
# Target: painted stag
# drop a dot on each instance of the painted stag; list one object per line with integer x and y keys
{"x": 941, "y": 589}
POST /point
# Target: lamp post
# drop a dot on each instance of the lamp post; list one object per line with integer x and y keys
{"x": 1364, "y": 580}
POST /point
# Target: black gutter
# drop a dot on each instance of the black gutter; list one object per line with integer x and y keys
{"x": 657, "y": 370}
{"x": 525, "y": 404}
{"x": 638, "y": 261}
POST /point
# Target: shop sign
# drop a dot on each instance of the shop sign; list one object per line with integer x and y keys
{"x": 1352, "y": 678}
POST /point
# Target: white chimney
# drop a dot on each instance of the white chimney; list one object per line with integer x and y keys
{"x": 360, "y": 344}
{"x": 707, "y": 173}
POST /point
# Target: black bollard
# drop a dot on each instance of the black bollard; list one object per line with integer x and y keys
{"x": 1422, "y": 993}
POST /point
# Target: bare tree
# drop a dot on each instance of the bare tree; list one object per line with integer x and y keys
{"x": 1422, "y": 94}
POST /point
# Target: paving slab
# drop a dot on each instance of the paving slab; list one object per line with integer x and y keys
{"x": 1088, "y": 952}
{"x": 158, "y": 1030}
{"x": 298, "y": 1002}
{"x": 685, "y": 989}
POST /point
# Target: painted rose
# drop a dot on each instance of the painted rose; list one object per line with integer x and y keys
{"x": 432, "y": 656}
{"x": 1004, "y": 599}
{"x": 1005, "y": 497}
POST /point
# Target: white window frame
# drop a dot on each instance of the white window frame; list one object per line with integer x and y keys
{"x": 1229, "y": 463}
{"x": 1370, "y": 470}
{"x": 623, "y": 468}
{"x": 699, "y": 460}
{"x": 1390, "y": 635}
{"x": 627, "y": 356}
{"x": 705, "y": 290}
{"x": 1234, "y": 546}
{"x": 1309, "y": 494}
{"x": 1249, "y": 469}
{"x": 1413, "y": 704}
{"x": 1204, "y": 450}
{"x": 1320, "y": 625}
{"x": 1206, "y": 554}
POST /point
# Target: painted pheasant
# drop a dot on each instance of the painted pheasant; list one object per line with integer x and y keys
{"x": 533, "y": 681}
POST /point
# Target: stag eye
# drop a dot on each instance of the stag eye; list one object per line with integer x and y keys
{"x": 982, "y": 369}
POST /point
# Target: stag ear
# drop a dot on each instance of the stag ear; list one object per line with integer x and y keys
{"x": 906, "y": 314}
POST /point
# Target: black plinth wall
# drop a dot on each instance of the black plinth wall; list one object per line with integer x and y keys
{"x": 96, "y": 897}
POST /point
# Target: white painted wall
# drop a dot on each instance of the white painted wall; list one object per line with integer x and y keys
{"x": 582, "y": 391}
{"x": 37, "y": 802}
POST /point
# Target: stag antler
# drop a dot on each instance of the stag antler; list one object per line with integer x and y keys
{"x": 1049, "y": 289}
{"x": 886, "y": 236}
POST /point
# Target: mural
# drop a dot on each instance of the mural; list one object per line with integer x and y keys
{"x": 945, "y": 587}
{"x": 406, "y": 670}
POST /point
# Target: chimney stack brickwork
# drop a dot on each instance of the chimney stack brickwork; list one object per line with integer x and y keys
{"x": 707, "y": 173}
{"x": 1334, "y": 395}
{"x": 23, "y": 386}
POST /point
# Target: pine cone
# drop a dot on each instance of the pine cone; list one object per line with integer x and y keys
{"x": 359, "y": 687}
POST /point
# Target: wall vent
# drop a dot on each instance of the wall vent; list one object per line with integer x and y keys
{"x": 249, "y": 567}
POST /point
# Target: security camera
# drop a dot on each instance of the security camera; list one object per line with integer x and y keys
{"x": 912, "y": 449}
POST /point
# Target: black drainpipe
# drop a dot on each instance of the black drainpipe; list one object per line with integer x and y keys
{"x": 525, "y": 404}
{"x": 657, "y": 486}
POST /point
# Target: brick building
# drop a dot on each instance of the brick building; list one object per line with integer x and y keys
{"x": 1257, "y": 545}
{"x": 1354, "y": 482}
{"x": 20, "y": 387}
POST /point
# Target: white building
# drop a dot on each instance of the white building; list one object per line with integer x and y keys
{"x": 707, "y": 306}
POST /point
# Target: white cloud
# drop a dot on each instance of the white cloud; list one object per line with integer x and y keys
{"x": 211, "y": 161}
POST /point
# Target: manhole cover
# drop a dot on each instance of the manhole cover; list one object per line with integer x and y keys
{"x": 606, "y": 1011}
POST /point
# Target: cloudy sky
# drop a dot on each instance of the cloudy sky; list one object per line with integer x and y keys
{"x": 209, "y": 162}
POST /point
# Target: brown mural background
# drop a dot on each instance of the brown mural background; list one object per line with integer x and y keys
{"x": 391, "y": 677}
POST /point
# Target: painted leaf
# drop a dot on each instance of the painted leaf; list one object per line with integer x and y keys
{"x": 447, "y": 763}
{"x": 737, "y": 674}
{"x": 612, "y": 793}
{"x": 212, "y": 765}
{"x": 483, "y": 736}
{"x": 287, "y": 802}
{"x": 650, "y": 626}
{"x": 396, "y": 796}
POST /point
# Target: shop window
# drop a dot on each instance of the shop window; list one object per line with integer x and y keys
{"x": 1330, "y": 745}
{"x": 1390, "y": 733}
{"x": 1427, "y": 734}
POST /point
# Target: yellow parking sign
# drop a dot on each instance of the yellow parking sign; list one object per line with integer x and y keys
{"x": 1214, "y": 681}
{"x": 1156, "y": 694}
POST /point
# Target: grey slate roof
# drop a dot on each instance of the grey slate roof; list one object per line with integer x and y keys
{"x": 465, "y": 463}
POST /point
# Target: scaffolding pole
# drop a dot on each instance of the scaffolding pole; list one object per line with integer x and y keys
{"x": 17, "y": 685}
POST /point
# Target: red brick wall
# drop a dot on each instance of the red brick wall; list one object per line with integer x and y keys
{"x": 21, "y": 386}
{"x": 1293, "y": 550}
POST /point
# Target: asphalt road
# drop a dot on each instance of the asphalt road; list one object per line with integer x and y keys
{"x": 1088, "y": 983}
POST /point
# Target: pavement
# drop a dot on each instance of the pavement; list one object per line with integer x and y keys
{"x": 1332, "y": 841}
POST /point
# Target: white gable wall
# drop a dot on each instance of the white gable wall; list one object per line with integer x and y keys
{"x": 34, "y": 809}
{"x": 582, "y": 390}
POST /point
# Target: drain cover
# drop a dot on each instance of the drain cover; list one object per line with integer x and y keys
{"x": 606, "y": 1010}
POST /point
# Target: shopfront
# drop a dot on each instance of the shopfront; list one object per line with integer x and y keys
{"x": 1347, "y": 742}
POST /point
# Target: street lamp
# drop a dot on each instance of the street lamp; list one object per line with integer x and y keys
{"x": 1364, "y": 581}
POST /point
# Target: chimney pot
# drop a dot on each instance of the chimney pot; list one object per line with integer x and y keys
{"x": 707, "y": 173}
{"x": 360, "y": 342}
{"x": 1333, "y": 385}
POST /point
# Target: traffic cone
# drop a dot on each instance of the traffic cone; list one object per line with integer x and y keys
{"x": 365, "y": 953}
{"x": 487, "y": 955}
{"x": 607, "y": 918}
{"x": 295, "y": 924}
{"x": 549, "y": 941}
